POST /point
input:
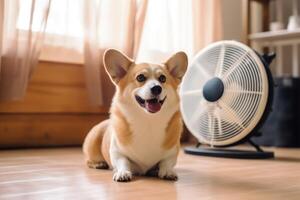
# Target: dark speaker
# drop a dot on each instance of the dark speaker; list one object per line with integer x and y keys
{"x": 283, "y": 124}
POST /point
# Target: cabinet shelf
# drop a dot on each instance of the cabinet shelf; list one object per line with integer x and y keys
{"x": 275, "y": 35}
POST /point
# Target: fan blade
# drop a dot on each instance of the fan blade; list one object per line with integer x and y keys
{"x": 230, "y": 114}
{"x": 234, "y": 66}
{"x": 220, "y": 62}
{"x": 218, "y": 117}
{"x": 244, "y": 92}
{"x": 198, "y": 112}
{"x": 232, "y": 86}
{"x": 211, "y": 127}
{"x": 204, "y": 74}
{"x": 229, "y": 96}
{"x": 233, "y": 89}
{"x": 192, "y": 92}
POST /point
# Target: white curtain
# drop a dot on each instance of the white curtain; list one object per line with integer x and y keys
{"x": 20, "y": 48}
{"x": 146, "y": 31}
{"x": 79, "y": 31}
{"x": 179, "y": 25}
{"x": 65, "y": 32}
{"x": 109, "y": 24}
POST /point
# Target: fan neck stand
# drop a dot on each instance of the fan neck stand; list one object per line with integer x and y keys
{"x": 230, "y": 153}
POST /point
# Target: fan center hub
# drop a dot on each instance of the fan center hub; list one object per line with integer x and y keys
{"x": 213, "y": 89}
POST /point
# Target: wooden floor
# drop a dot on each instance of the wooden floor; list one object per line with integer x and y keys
{"x": 61, "y": 174}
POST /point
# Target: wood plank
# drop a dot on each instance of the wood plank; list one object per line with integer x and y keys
{"x": 62, "y": 174}
{"x": 246, "y": 17}
{"x": 54, "y": 88}
{"x": 266, "y": 15}
{"x": 37, "y": 130}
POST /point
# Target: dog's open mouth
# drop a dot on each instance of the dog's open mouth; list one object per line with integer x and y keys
{"x": 151, "y": 105}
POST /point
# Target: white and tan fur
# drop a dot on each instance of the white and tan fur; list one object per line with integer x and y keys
{"x": 133, "y": 140}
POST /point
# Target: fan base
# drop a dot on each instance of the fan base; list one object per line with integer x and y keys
{"x": 229, "y": 153}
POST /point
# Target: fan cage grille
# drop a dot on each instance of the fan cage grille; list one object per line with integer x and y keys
{"x": 239, "y": 110}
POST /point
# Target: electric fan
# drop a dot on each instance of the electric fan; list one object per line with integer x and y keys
{"x": 226, "y": 95}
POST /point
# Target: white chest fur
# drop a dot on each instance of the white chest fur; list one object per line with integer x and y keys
{"x": 148, "y": 134}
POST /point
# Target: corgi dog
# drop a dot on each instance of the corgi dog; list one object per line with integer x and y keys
{"x": 142, "y": 135}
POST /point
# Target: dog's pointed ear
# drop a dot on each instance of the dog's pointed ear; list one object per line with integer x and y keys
{"x": 177, "y": 64}
{"x": 116, "y": 64}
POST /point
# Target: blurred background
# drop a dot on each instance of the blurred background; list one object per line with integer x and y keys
{"x": 53, "y": 87}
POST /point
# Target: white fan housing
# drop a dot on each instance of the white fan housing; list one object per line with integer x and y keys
{"x": 224, "y": 93}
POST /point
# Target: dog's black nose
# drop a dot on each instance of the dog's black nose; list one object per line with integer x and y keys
{"x": 156, "y": 90}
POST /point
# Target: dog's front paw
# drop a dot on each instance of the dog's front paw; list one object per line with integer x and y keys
{"x": 97, "y": 165}
{"x": 122, "y": 176}
{"x": 167, "y": 175}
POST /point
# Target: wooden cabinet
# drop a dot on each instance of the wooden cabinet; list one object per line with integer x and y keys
{"x": 276, "y": 40}
{"x": 246, "y": 15}
{"x": 54, "y": 112}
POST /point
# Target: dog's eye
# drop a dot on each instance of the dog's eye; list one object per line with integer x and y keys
{"x": 141, "y": 78}
{"x": 162, "y": 78}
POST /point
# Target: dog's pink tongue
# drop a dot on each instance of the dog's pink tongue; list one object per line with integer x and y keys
{"x": 153, "y": 107}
